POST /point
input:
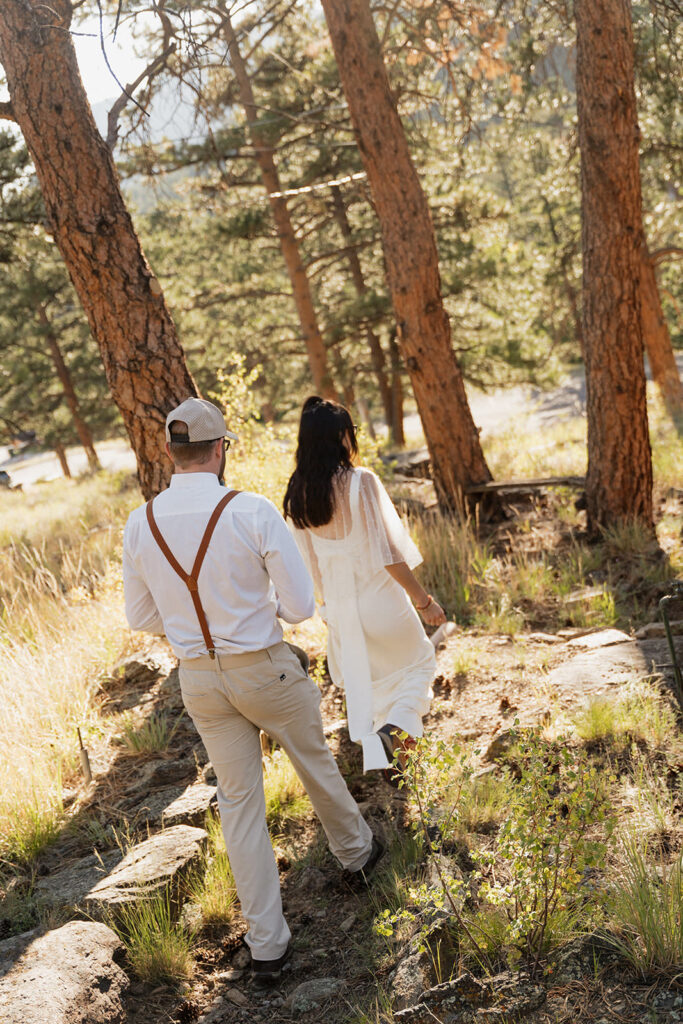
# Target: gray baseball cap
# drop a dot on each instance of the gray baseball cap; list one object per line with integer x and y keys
{"x": 204, "y": 421}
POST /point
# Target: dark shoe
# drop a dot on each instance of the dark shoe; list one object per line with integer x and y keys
{"x": 267, "y": 972}
{"x": 358, "y": 878}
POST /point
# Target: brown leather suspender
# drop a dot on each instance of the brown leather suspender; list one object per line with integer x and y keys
{"x": 190, "y": 579}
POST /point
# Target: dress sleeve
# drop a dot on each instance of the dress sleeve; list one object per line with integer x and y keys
{"x": 388, "y": 539}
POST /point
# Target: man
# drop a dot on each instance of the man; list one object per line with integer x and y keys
{"x": 236, "y": 674}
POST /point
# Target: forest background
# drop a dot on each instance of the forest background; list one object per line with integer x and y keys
{"x": 487, "y": 97}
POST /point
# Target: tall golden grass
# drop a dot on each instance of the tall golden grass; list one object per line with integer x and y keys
{"x": 61, "y": 624}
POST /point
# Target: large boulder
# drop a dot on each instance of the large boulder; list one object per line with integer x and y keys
{"x": 158, "y": 862}
{"x": 67, "y": 976}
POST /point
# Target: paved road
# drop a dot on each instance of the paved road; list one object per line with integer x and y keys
{"x": 493, "y": 413}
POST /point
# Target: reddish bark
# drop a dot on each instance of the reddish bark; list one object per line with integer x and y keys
{"x": 410, "y": 254}
{"x": 143, "y": 360}
{"x": 658, "y": 341}
{"x": 619, "y": 480}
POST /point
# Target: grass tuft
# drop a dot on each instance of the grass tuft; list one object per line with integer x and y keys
{"x": 284, "y": 792}
{"x": 158, "y": 947}
{"x": 647, "y": 907}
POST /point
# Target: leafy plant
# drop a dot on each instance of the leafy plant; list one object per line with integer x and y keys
{"x": 545, "y": 844}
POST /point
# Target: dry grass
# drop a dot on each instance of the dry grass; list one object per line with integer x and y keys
{"x": 62, "y": 625}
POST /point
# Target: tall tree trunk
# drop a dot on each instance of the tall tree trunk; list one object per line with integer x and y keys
{"x": 374, "y": 345}
{"x": 619, "y": 480}
{"x": 60, "y": 452}
{"x": 658, "y": 341}
{"x": 410, "y": 254}
{"x": 398, "y": 436}
{"x": 143, "y": 360}
{"x": 62, "y": 370}
{"x": 263, "y": 154}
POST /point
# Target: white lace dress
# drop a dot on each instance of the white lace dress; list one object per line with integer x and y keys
{"x": 378, "y": 651}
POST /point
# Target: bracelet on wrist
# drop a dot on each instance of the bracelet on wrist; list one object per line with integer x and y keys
{"x": 424, "y": 607}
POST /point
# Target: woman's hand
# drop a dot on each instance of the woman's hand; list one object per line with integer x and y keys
{"x": 433, "y": 614}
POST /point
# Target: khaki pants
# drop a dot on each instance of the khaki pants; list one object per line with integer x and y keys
{"x": 229, "y": 700}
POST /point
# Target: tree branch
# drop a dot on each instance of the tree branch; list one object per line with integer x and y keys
{"x": 668, "y": 252}
{"x": 116, "y": 110}
{"x": 7, "y": 112}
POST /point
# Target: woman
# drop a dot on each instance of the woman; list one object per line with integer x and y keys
{"x": 361, "y": 558}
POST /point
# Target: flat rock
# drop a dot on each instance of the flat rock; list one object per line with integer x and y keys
{"x": 149, "y": 866}
{"x": 310, "y": 994}
{"x": 149, "y": 809}
{"x": 543, "y": 638}
{"x": 191, "y": 806}
{"x": 597, "y": 671}
{"x": 603, "y": 638}
{"x": 67, "y": 976}
{"x": 70, "y": 886}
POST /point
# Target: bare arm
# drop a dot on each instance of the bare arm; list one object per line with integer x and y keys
{"x": 430, "y": 610}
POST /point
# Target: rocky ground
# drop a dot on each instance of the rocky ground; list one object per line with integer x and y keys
{"x": 153, "y": 805}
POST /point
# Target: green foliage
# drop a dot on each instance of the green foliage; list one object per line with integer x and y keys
{"x": 158, "y": 947}
{"x": 153, "y": 735}
{"x": 555, "y": 830}
{"x": 639, "y": 713}
{"x": 646, "y": 904}
{"x": 284, "y": 792}
{"x": 213, "y": 889}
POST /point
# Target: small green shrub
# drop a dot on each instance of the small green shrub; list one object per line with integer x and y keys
{"x": 548, "y": 839}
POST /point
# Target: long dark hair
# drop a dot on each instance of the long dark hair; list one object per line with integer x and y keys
{"x": 320, "y": 454}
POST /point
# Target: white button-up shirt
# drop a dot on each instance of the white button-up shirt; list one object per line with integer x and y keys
{"x": 252, "y": 571}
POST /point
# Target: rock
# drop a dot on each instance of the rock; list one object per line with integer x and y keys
{"x": 11, "y": 949}
{"x": 543, "y": 638}
{"x": 603, "y": 638}
{"x": 310, "y": 994}
{"x": 242, "y": 958}
{"x": 504, "y": 998}
{"x": 68, "y": 976}
{"x": 149, "y": 866}
{"x": 191, "y": 806}
{"x": 348, "y": 923}
{"x": 236, "y": 997}
{"x": 312, "y": 880}
{"x": 441, "y": 867}
{"x": 579, "y": 958}
{"x": 594, "y": 672}
{"x": 501, "y": 744}
{"x": 164, "y": 772}
{"x": 148, "y": 809}
{"x": 409, "y": 980}
{"x": 232, "y": 974}
{"x": 70, "y": 886}
{"x": 656, "y": 629}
